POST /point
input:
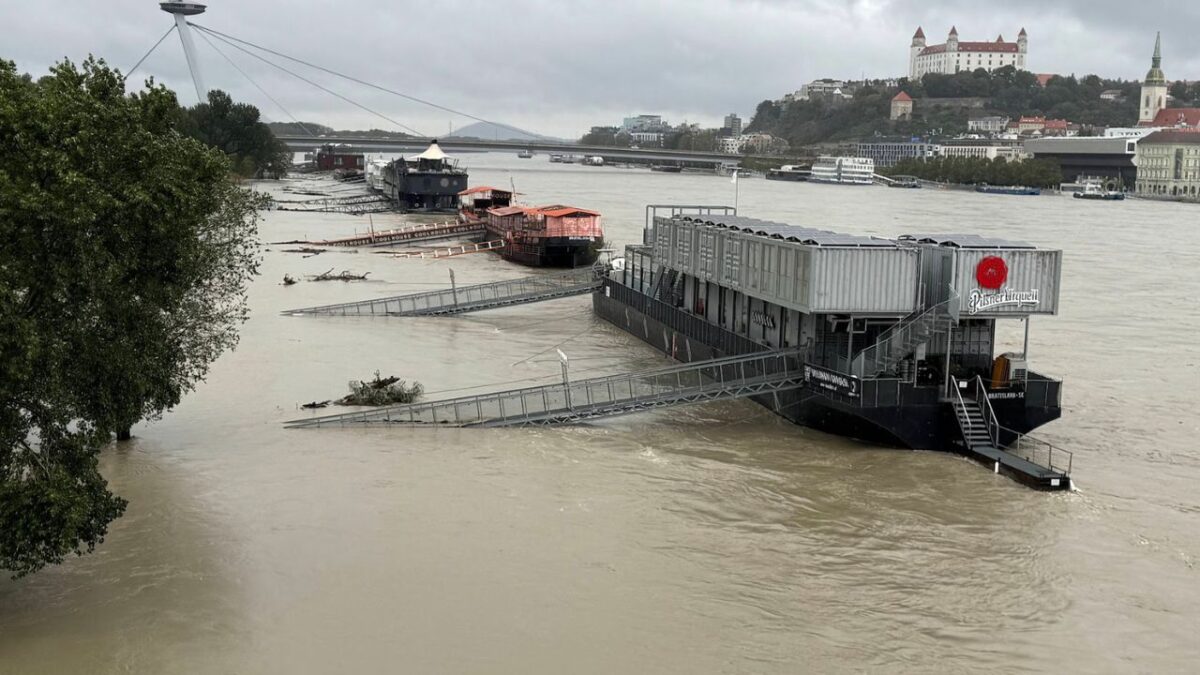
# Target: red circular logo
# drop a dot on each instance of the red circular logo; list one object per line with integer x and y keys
{"x": 991, "y": 272}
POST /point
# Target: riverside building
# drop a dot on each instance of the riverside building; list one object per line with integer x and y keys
{"x": 1168, "y": 164}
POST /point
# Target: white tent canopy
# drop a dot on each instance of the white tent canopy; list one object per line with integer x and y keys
{"x": 433, "y": 152}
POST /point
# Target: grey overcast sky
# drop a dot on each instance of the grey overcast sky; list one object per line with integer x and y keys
{"x": 559, "y": 66}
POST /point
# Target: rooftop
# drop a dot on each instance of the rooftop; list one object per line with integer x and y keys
{"x": 1187, "y": 136}
{"x": 964, "y": 241}
{"x": 796, "y": 233}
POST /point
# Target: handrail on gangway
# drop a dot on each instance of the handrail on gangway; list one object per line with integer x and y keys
{"x": 575, "y": 400}
{"x": 460, "y": 299}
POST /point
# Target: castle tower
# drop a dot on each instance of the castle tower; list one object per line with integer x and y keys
{"x": 918, "y": 43}
{"x": 1023, "y": 42}
{"x": 1154, "y": 89}
{"x": 952, "y": 40}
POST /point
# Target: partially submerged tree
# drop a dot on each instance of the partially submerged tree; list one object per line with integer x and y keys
{"x": 127, "y": 250}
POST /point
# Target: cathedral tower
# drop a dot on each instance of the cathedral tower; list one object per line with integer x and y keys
{"x": 1154, "y": 89}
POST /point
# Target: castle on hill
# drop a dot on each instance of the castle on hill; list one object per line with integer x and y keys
{"x": 953, "y": 56}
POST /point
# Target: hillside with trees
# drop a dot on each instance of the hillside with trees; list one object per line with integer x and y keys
{"x": 938, "y": 106}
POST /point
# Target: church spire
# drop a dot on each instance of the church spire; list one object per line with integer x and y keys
{"x": 1155, "y": 75}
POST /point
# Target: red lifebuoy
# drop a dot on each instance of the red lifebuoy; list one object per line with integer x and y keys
{"x": 991, "y": 272}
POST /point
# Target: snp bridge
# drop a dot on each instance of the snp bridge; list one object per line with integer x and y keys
{"x": 472, "y": 298}
{"x": 607, "y": 396}
{"x": 450, "y": 144}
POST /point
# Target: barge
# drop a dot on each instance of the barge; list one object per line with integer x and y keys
{"x": 427, "y": 183}
{"x": 843, "y": 171}
{"x": 540, "y": 236}
{"x": 897, "y": 338}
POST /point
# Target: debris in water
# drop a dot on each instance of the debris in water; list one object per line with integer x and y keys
{"x": 315, "y": 404}
{"x": 382, "y": 391}
{"x": 288, "y": 280}
{"x": 344, "y": 275}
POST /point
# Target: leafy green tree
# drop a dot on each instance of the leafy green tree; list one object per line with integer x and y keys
{"x": 127, "y": 250}
{"x": 235, "y": 129}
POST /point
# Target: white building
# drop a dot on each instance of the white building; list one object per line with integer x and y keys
{"x": 730, "y": 145}
{"x": 821, "y": 88}
{"x": 953, "y": 56}
{"x": 980, "y": 149}
{"x": 988, "y": 125}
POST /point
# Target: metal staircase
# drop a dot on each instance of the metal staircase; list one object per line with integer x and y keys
{"x": 1031, "y": 460}
{"x": 899, "y": 341}
{"x": 460, "y": 299}
{"x": 573, "y": 401}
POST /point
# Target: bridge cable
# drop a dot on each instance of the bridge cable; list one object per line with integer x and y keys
{"x": 256, "y": 86}
{"x": 147, "y": 54}
{"x": 305, "y": 79}
{"x": 368, "y": 84}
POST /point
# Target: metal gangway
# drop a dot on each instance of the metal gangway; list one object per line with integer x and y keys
{"x": 567, "y": 401}
{"x": 460, "y": 299}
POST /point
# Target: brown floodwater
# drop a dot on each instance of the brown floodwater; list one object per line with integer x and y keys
{"x": 712, "y": 538}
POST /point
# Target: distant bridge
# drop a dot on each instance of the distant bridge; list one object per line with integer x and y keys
{"x": 450, "y": 144}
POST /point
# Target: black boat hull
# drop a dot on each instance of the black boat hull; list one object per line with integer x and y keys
{"x": 921, "y": 422}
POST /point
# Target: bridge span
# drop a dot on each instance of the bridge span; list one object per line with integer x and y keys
{"x": 450, "y": 144}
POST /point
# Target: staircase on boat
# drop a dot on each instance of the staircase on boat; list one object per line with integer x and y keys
{"x": 1031, "y": 460}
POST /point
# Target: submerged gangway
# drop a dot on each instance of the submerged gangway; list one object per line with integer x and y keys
{"x": 460, "y": 299}
{"x": 567, "y": 401}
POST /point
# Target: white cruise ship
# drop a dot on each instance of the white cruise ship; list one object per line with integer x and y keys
{"x": 843, "y": 170}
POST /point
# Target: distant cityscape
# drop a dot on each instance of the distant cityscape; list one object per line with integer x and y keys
{"x": 967, "y": 99}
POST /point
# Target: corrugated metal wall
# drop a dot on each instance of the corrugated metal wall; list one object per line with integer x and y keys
{"x": 865, "y": 280}
{"x": 806, "y": 278}
{"x": 1028, "y": 270}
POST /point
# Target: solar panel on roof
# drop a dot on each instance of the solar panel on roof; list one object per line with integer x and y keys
{"x": 805, "y": 235}
{"x": 965, "y": 241}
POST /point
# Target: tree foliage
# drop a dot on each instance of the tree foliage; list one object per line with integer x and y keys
{"x": 940, "y": 107}
{"x": 235, "y": 129}
{"x": 980, "y": 170}
{"x": 127, "y": 250}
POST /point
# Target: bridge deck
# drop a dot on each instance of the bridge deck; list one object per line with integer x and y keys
{"x": 462, "y": 299}
{"x": 696, "y": 382}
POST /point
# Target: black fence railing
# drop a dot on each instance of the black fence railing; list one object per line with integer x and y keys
{"x": 715, "y": 336}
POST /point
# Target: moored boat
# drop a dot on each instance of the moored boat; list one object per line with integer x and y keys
{"x": 1008, "y": 190}
{"x": 789, "y": 172}
{"x": 896, "y": 338}
{"x": 666, "y": 168}
{"x": 546, "y": 236}
{"x": 909, "y": 182}
{"x": 525, "y": 154}
{"x": 1095, "y": 190}
{"x": 427, "y": 183}
{"x": 843, "y": 170}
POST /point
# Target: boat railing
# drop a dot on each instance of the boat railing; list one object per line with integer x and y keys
{"x": 990, "y": 424}
{"x": 1040, "y": 452}
{"x": 896, "y": 343}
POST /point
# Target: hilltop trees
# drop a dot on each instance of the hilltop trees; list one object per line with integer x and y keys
{"x": 1004, "y": 91}
{"x": 126, "y": 254}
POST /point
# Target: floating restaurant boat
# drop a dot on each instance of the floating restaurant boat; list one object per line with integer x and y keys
{"x": 896, "y": 337}
{"x": 525, "y": 154}
{"x": 789, "y": 172}
{"x": 427, "y": 183}
{"x": 843, "y": 170}
{"x": 1007, "y": 190}
{"x": 546, "y": 236}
